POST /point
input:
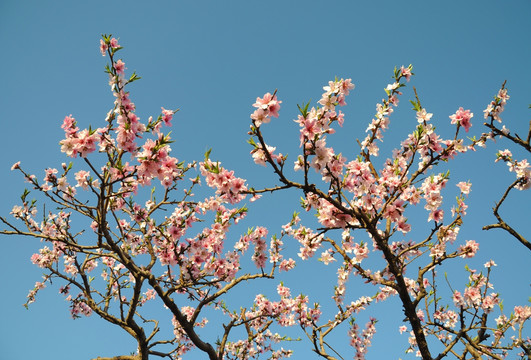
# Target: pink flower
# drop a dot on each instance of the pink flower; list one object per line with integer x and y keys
{"x": 438, "y": 250}
{"x": 150, "y": 294}
{"x": 436, "y": 215}
{"x": 103, "y": 47}
{"x": 462, "y": 118}
{"x": 458, "y": 299}
{"x": 266, "y": 107}
{"x": 345, "y": 86}
{"x": 403, "y": 226}
{"x": 69, "y": 125}
{"x": 464, "y": 187}
{"x": 167, "y": 115}
{"x": 406, "y": 72}
{"x": 260, "y": 116}
{"x": 259, "y": 155}
{"x": 15, "y": 166}
{"x": 470, "y": 249}
{"x": 255, "y": 197}
{"x": 522, "y": 313}
{"x": 504, "y": 155}
{"x": 286, "y": 265}
{"x": 114, "y": 43}
{"x": 420, "y": 314}
{"x": 361, "y": 252}
{"x": 327, "y": 257}
{"x": 489, "y": 301}
{"x": 423, "y": 116}
{"x": 490, "y": 263}
{"x": 472, "y": 296}
{"x": 119, "y": 66}
{"x": 82, "y": 177}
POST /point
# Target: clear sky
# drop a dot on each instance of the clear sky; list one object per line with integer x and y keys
{"x": 212, "y": 59}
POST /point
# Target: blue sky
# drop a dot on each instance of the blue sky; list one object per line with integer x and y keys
{"x": 212, "y": 59}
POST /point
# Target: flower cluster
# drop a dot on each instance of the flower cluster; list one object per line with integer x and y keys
{"x": 520, "y": 168}
{"x": 155, "y": 162}
{"x": 316, "y": 123}
{"x": 462, "y": 118}
{"x": 266, "y": 107}
{"x": 384, "y": 109}
{"x": 78, "y": 306}
{"x": 106, "y": 43}
{"x": 229, "y": 187}
{"x": 77, "y": 142}
{"x": 361, "y": 342}
{"x": 496, "y": 107}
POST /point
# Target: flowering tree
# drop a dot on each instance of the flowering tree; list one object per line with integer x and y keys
{"x": 142, "y": 243}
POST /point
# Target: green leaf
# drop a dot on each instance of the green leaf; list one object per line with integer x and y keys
{"x": 295, "y": 214}
{"x": 416, "y": 105}
{"x": 24, "y": 195}
{"x": 304, "y": 109}
{"x": 207, "y": 154}
{"x": 134, "y": 77}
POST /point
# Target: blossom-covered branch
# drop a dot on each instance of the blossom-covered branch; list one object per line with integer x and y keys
{"x": 126, "y": 229}
{"x": 372, "y": 203}
{"x": 520, "y": 167}
{"x": 141, "y": 240}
